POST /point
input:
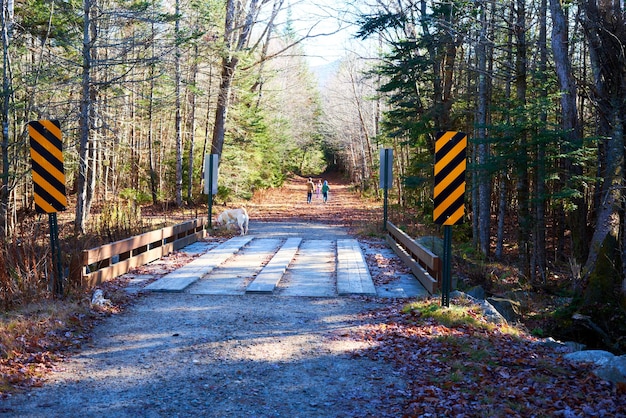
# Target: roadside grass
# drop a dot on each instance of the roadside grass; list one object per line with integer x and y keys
{"x": 461, "y": 313}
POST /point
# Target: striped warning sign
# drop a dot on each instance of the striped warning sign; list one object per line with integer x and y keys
{"x": 46, "y": 153}
{"x": 450, "y": 166}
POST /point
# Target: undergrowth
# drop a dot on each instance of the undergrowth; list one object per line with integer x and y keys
{"x": 460, "y": 313}
{"x": 27, "y": 260}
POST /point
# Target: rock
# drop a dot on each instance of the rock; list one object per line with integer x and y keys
{"x": 477, "y": 292}
{"x": 508, "y": 308}
{"x": 597, "y": 357}
{"x": 574, "y": 346}
{"x": 98, "y": 299}
{"x": 489, "y": 311}
{"x": 608, "y": 366}
{"x": 568, "y": 346}
{"x": 614, "y": 371}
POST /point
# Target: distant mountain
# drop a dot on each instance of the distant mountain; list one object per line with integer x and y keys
{"x": 325, "y": 72}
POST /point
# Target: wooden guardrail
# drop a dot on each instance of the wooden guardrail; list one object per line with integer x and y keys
{"x": 111, "y": 260}
{"x": 425, "y": 265}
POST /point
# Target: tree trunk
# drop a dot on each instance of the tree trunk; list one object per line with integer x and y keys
{"x": 505, "y": 170}
{"x": 178, "y": 117}
{"x": 151, "y": 154}
{"x": 207, "y": 124}
{"x": 539, "y": 245}
{"x": 502, "y": 187}
{"x": 4, "y": 185}
{"x": 82, "y": 203}
{"x": 229, "y": 65}
{"x": 522, "y": 154}
{"x": 572, "y": 130}
{"x": 221, "y": 110}
{"x": 484, "y": 180}
{"x": 605, "y": 29}
{"x": 192, "y": 123}
{"x": 368, "y": 159}
{"x": 608, "y": 221}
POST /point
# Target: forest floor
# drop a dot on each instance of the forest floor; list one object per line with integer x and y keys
{"x": 184, "y": 355}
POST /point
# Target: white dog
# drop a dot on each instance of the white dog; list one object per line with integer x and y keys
{"x": 232, "y": 217}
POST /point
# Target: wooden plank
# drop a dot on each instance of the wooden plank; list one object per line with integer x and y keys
{"x": 267, "y": 280}
{"x": 190, "y": 230}
{"x": 179, "y": 279}
{"x": 118, "y": 247}
{"x": 420, "y": 253}
{"x": 126, "y": 245}
{"x": 428, "y": 281}
{"x": 353, "y": 276}
{"x": 117, "y": 269}
{"x": 124, "y": 266}
{"x": 189, "y": 239}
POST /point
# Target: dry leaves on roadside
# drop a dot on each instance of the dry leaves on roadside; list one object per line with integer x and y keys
{"x": 465, "y": 370}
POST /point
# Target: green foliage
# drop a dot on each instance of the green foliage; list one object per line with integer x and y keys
{"x": 452, "y": 316}
{"x": 266, "y": 140}
{"x": 224, "y": 194}
{"x": 538, "y": 332}
{"x": 137, "y": 196}
{"x": 251, "y": 157}
{"x": 60, "y": 22}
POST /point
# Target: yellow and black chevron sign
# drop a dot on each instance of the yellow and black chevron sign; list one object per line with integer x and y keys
{"x": 46, "y": 153}
{"x": 450, "y": 164}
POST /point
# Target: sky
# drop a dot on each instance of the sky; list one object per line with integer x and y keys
{"x": 327, "y": 23}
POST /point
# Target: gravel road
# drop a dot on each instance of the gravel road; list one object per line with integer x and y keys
{"x": 183, "y": 355}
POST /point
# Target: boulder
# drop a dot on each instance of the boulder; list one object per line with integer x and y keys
{"x": 477, "y": 292}
{"x": 597, "y": 357}
{"x": 568, "y": 346}
{"x": 490, "y": 313}
{"x": 607, "y": 365}
{"x": 508, "y": 308}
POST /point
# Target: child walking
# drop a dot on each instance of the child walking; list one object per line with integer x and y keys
{"x": 325, "y": 190}
{"x": 309, "y": 190}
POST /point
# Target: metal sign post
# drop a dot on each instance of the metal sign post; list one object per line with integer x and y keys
{"x": 447, "y": 265}
{"x": 57, "y": 285}
{"x": 449, "y": 195}
{"x": 210, "y": 181}
{"x": 46, "y": 153}
{"x": 386, "y": 178}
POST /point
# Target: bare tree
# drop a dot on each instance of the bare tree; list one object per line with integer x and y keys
{"x": 83, "y": 201}
{"x": 571, "y": 126}
{"x": 605, "y": 29}
{"x": 241, "y": 16}
{"x": 6, "y": 17}
{"x": 178, "y": 117}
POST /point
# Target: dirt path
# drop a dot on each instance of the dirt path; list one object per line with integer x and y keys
{"x": 230, "y": 356}
{"x": 252, "y": 356}
{"x": 344, "y": 206}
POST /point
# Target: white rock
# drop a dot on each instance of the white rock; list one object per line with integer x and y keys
{"x": 597, "y": 357}
{"x": 98, "y": 299}
{"x": 608, "y": 366}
